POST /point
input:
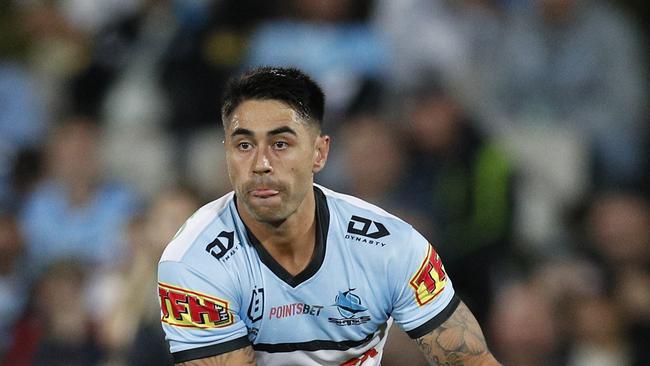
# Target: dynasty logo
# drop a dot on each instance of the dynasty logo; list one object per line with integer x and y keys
{"x": 222, "y": 245}
{"x": 349, "y": 304}
{"x": 185, "y": 308}
{"x": 365, "y": 231}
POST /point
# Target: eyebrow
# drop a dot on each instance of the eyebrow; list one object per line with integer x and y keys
{"x": 280, "y": 130}
{"x": 241, "y": 131}
{"x": 275, "y": 131}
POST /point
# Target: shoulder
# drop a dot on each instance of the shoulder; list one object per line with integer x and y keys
{"x": 194, "y": 259}
{"x": 343, "y": 202}
{"x": 212, "y": 217}
{"x": 361, "y": 220}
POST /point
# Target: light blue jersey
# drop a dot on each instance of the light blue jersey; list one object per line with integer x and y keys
{"x": 220, "y": 290}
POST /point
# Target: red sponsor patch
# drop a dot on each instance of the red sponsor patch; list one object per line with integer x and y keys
{"x": 185, "y": 308}
{"x": 430, "y": 279}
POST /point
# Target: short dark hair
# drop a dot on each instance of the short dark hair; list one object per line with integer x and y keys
{"x": 288, "y": 85}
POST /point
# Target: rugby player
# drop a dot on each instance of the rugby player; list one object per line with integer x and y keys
{"x": 283, "y": 271}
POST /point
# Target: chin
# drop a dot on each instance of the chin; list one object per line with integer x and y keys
{"x": 268, "y": 213}
{"x": 273, "y": 218}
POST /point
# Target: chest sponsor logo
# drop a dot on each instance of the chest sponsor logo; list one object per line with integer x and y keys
{"x": 349, "y": 305}
{"x": 185, "y": 308}
{"x": 222, "y": 246}
{"x": 256, "y": 306}
{"x": 295, "y": 309}
{"x": 430, "y": 279}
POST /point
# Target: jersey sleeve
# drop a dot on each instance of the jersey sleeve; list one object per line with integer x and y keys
{"x": 423, "y": 293}
{"x": 199, "y": 311}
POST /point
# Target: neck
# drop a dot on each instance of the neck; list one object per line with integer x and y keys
{"x": 290, "y": 242}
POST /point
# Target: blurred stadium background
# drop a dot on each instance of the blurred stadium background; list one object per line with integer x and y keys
{"x": 513, "y": 133}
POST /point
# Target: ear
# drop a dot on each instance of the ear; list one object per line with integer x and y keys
{"x": 321, "y": 152}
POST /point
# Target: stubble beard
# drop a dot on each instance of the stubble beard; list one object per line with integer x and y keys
{"x": 268, "y": 215}
{"x": 275, "y": 215}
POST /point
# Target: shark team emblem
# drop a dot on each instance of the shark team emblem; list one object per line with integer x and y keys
{"x": 349, "y": 304}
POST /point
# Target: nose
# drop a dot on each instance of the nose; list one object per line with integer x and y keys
{"x": 262, "y": 165}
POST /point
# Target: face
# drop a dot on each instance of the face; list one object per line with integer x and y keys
{"x": 272, "y": 155}
{"x": 435, "y": 123}
{"x": 74, "y": 153}
{"x": 167, "y": 213}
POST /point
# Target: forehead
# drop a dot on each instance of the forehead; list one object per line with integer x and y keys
{"x": 264, "y": 115}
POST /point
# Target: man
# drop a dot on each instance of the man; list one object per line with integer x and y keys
{"x": 282, "y": 271}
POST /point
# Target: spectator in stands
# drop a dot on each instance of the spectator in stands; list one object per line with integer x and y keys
{"x": 577, "y": 64}
{"x": 155, "y": 77}
{"x": 371, "y": 165}
{"x": 617, "y": 227}
{"x": 14, "y": 286}
{"x": 524, "y": 327}
{"x": 463, "y": 182}
{"x": 374, "y": 159}
{"x": 58, "y": 330}
{"x": 331, "y": 40}
{"x": 129, "y": 309}
{"x": 601, "y": 290}
{"x": 597, "y": 334}
{"x": 617, "y": 230}
{"x": 76, "y": 212}
{"x": 459, "y": 40}
{"x": 22, "y": 113}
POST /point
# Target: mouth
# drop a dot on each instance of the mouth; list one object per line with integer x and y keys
{"x": 264, "y": 192}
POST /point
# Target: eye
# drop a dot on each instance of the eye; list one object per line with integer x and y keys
{"x": 244, "y": 146}
{"x": 280, "y": 145}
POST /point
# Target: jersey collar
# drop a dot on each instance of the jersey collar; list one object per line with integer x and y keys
{"x": 322, "y": 228}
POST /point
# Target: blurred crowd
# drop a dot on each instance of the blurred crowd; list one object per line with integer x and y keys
{"x": 512, "y": 133}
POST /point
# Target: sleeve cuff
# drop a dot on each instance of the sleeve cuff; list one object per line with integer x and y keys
{"x": 436, "y": 321}
{"x": 212, "y": 350}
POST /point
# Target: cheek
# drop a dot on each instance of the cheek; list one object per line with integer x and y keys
{"x": 304, "y": 162}
{"x": 234, "y": 169}
{"x": 297, "y": 169}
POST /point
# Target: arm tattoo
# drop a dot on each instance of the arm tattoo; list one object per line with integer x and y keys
{"x": 244, "y": 357}
{"x": 457, "y": 342}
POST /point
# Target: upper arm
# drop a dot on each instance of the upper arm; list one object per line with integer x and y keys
{"x": 457, "y": 341}
{"x": 199, "y": 313}
{"x": 424, "y": 296}
{"x": 428, "y": 309}
{"x": 243, "y": 356}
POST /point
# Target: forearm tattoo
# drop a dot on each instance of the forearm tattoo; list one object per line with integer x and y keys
{"x": 458, "y": 341}
{"x": 244, "y": 357}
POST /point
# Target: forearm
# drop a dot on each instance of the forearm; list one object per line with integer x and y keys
{"x": 458, "y": 341}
